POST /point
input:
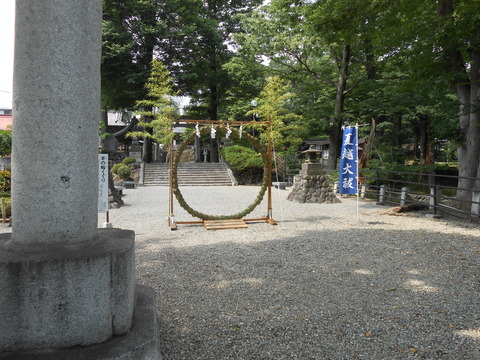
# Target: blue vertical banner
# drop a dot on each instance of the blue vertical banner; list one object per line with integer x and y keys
{"x": 348, "y": 182}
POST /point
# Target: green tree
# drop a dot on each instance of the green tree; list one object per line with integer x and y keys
{"x": 131, "y": 32}
{"x": 317, "y": 45}
{"x": 5, "y": 142}
{"x": 201, "y": 43}
{"x": 406, "y": 109}
{"x": 272, "y": 105}
{"x": 158, "y": 110}
{"x": 459, "y": 39}
{"x": 203, "y": 76}
{"x": 442, "y": 44}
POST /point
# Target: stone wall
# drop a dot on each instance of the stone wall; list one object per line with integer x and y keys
{"x": 313, "y": 189}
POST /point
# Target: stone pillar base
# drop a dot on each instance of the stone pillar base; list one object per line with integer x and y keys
{"x": 66, "y": 295}
{"x": 141, "y": 343}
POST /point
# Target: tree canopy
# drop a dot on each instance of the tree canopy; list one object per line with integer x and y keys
{"x": 412, "y": 67}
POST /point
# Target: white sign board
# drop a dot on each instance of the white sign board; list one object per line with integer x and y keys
{"x": 102, "y": 183}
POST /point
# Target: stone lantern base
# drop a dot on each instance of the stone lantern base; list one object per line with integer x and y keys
{"x": 313, "y": 189}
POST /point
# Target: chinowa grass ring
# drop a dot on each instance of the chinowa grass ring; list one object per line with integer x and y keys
{"x": 234, "y": 135}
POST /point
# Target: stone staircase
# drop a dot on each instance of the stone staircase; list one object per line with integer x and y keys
{"x": 189, "y": 174}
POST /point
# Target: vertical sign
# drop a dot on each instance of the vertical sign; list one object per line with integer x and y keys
{"x": 348, "y": 182}
{"x": 102, "y": 183}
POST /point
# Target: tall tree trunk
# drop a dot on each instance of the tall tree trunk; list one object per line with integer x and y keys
{"x": 469, "y": 149}
{"x": 416, "y": 143}
{"x": 367, "y": 150}
{"x": 113, "y": 191}
{"x": 370, "y": 60}
{"x": 335, "y": 129}
{"x": 424, "y": 139}
{"x": 104, "y": 122}
{"x": 467, "y": 88}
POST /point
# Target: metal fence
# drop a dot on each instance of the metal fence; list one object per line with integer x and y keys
{"x": 433, "y": 191}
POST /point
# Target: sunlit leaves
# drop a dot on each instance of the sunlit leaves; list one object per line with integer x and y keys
{"x": 157, "y": 110}
{"x": 273, "y": 106}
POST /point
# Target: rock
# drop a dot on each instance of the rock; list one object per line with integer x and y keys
{"x": 312, "y": 189}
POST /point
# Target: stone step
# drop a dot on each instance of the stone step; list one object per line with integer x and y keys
{"x": 190, "y": 184}
{"x": 189, "y": 174}
{"x": 200, "y": 184}
{"x": 193, "y": 173}
{"x": 190, "y": 179}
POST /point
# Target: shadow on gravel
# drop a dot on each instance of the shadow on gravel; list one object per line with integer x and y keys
{"x": 356, "y": 294}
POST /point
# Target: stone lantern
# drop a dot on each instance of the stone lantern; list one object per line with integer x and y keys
{"x": 311, "y": 154}
{"x": 311, "y": 166}
{"x": 312, "y": 184}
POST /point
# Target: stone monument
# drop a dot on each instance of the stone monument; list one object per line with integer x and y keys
{"x": 135, "y": 150}
{"x": 312, "y": 184}
{"x": 67, "y": 288}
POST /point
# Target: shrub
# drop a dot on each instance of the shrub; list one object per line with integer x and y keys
{"x": 240, "y": 157}
{"x": 116, "y": 167}
{"x": 246, "y": 164}
{"x": 128, "y": 161}
{"x": 5, "y": 180}
{"x": 415, "y": 176}
{"x": 123, "y": 172}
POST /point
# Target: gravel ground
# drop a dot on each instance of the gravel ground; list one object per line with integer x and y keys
{"x": 320, "y": 285}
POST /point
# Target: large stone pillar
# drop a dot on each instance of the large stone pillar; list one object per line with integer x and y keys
{"x": 63, "y": 282}
{"x": 56, "y": 102}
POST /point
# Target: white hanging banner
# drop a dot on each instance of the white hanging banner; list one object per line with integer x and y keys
{"x": 197, "y": 130}
{"x": 102, "y": 183}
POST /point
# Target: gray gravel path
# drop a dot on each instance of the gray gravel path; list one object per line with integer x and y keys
{"x": 320, "y": 285}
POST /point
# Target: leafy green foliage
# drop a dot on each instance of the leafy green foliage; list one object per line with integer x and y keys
{"x": 158, "y": 110}
{"x": 116, "y": 167}
{"x": 5, "y": 142}
{"x": 246, "y": 164}
{"x": 5, "y": 180}
{"x": 123, "y": 172}
{"x": 407, "y": 64}
{"x": 240, "y": 157}
{"x": 131, "y": 31}
{"x": 200, "y": 43}
{"x": 272, "y": 105}
{"x": 399, "y": 175}
{"x": 128, "y": 161}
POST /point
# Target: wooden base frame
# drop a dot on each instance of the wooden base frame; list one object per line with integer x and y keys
{"x": 224, "y": 224}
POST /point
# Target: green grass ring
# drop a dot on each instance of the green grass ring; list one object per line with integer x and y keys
{"x": 181, "y": 200}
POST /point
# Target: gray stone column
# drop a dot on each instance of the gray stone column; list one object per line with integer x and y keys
{"x": 56, "y": 101}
